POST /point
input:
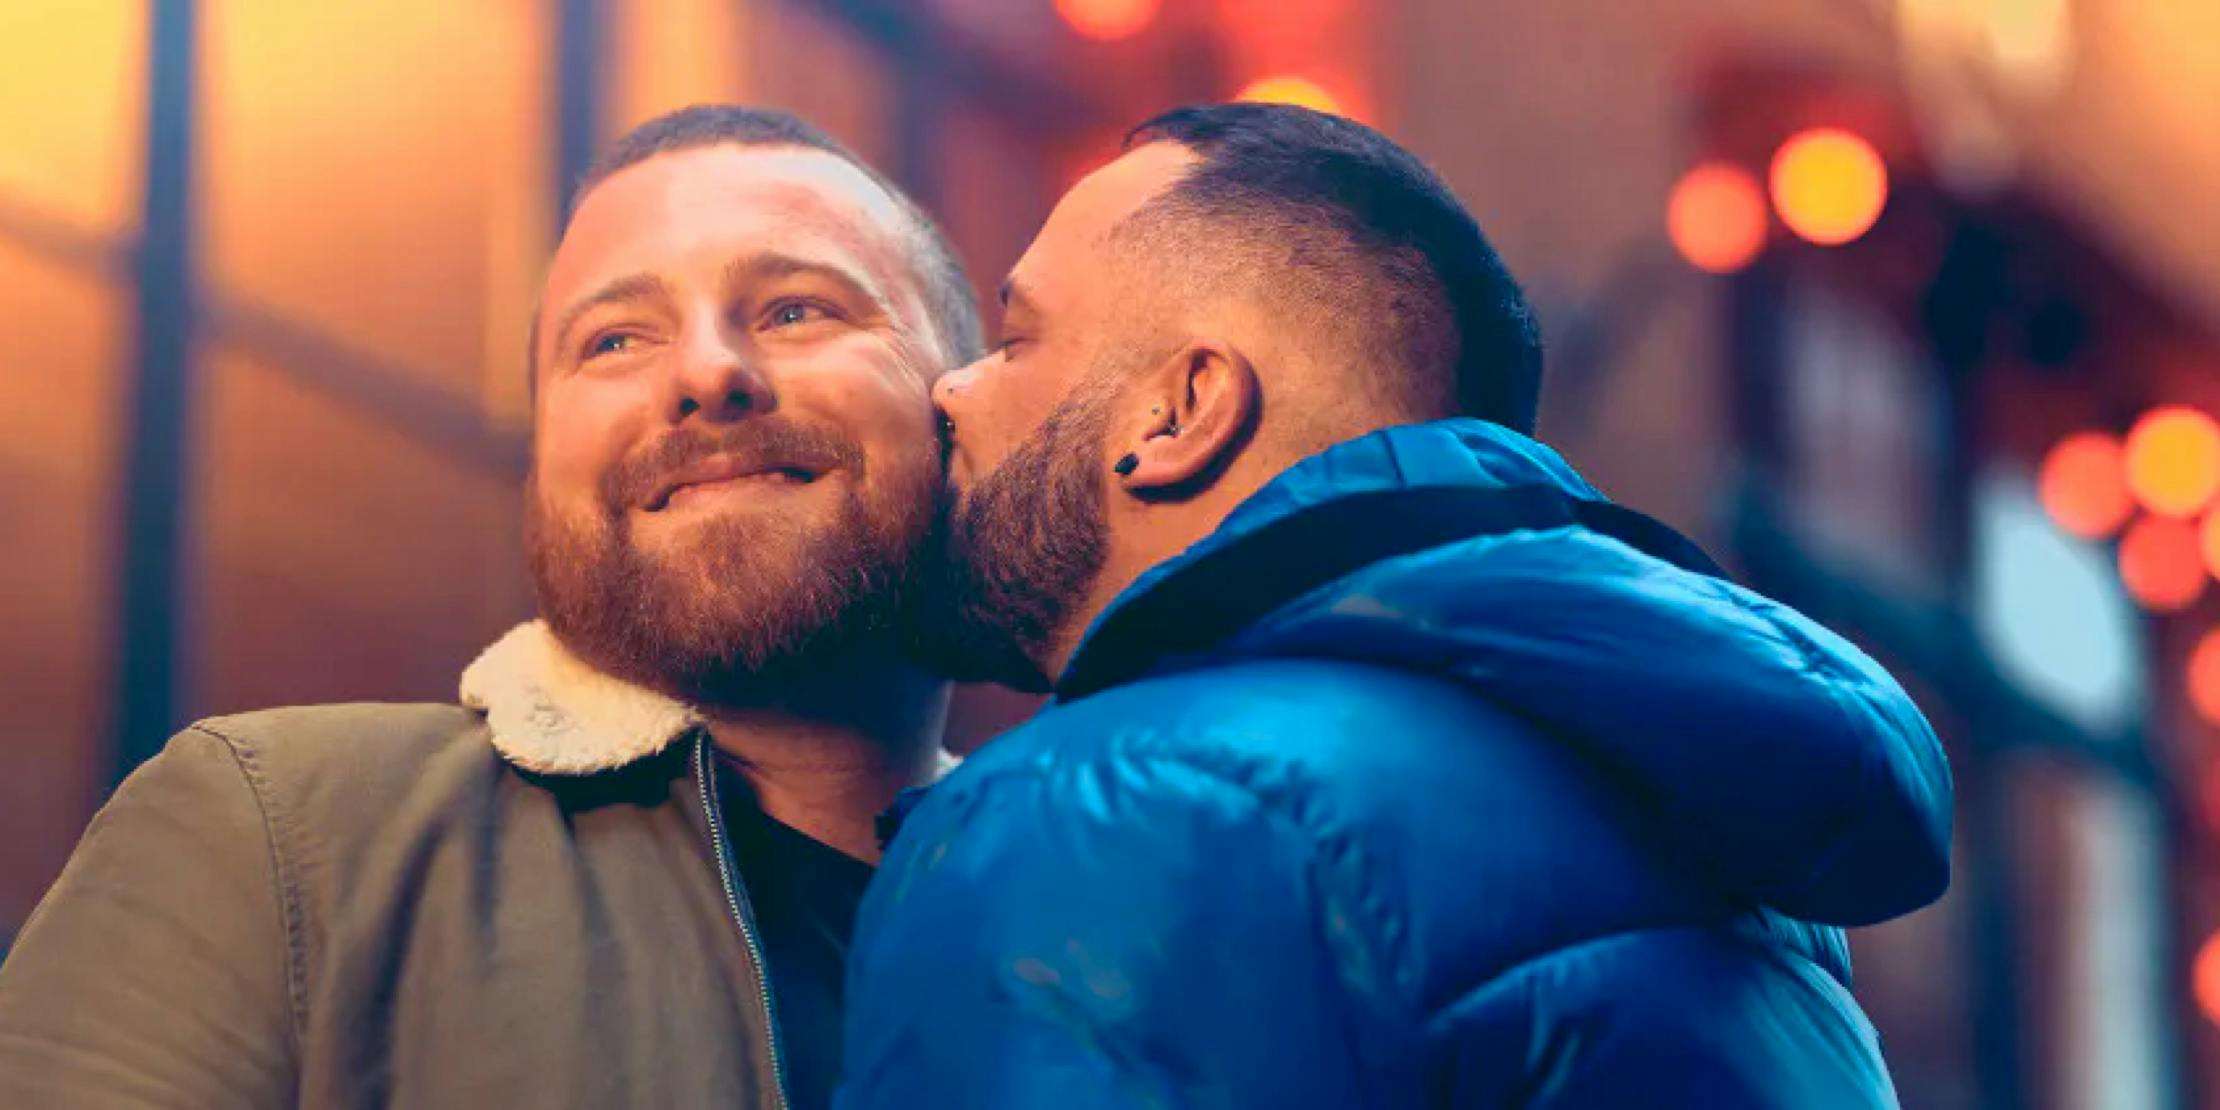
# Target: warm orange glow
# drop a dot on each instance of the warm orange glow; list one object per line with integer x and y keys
{"x": 2084, "y": 485}
{"x": 2206, "y": 977}
{"x": 2204, "y": 678}
{"x": 1716, "y": 217}
{"x": 1107, "y": 20}
{"x": 2208, "y": 542}
{"x": 1299, "y": 91}
{"x": 1829, "y": 185}
{"x": 2173, "y": 460}
{"x": 2160, "y": 564}
{"x": 73, "y": 89}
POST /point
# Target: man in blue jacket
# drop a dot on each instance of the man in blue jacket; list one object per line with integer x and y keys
{"x": 1389, "y": 764}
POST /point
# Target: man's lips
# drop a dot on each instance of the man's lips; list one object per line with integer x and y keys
{"x": 720, "y": 472}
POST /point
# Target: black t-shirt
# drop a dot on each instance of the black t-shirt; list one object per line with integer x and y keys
{"x": 804, "y": 895}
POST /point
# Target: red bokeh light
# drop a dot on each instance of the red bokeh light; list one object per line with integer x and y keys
{"x": 1107, "y": 20}
{"x": 1716, "y": 217}
{"x": 2161, "y": 565}
{"x": 2084, "y": 485}
{"x": 2205, "y": 977}
{"x": 2204, "y": 678}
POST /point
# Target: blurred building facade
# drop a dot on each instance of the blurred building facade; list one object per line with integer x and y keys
{"x": 266, "y": 268}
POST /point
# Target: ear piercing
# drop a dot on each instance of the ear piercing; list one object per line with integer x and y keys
{"x": 1132, "y": 462}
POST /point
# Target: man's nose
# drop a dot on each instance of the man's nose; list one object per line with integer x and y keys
{"x": 950, "y": 392}
{"x": 716, "y": 380}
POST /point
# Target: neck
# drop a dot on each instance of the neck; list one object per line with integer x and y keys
{"x": 1142, "y": 536}
{"x": 1145, "y": 532}
{"x": 828, "y": 763}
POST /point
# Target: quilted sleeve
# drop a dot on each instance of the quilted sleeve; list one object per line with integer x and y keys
{"x": 1660, "y": 1018}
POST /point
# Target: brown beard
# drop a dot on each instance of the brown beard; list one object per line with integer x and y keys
{"x": 1021, "y": 552}
{"x": 741, "y": 612}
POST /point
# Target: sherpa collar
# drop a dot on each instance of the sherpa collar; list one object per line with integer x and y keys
{"x": 552, "y": 713}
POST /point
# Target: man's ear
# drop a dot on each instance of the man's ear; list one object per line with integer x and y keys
{"x": 1203, "y": 406}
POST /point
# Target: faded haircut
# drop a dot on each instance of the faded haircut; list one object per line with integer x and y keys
{"x": 1340, "y": 226}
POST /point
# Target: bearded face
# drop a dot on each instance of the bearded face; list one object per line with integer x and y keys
{"x": 734, "y": 457}
{"x": 1022, "y": 551}
{"x": 734, "y": 604}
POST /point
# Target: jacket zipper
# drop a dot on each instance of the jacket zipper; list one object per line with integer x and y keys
{"x": 736, "y": 899}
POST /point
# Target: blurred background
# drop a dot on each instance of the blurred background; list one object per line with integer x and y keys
{"x": 1906, "y": 308}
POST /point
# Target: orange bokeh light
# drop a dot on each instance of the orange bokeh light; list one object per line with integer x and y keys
{"x": 1829, "y": 185}
{"x": 2205, "y": 977}
{"x": 2173, "y": 460}
{"x": 2160, "y": 564}
{"x": 2204, "y": 677}
{"x": 1107, "y": 20}
{"x": 1284, "y": 89}
{"x": 2208, "y": 540}
{"x": 2084, "y": 485}
{"x": 1716, "y": 217}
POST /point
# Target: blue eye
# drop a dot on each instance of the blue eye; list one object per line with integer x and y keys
{"x": 787, "y": 314}
{"x": 609, "y": 343}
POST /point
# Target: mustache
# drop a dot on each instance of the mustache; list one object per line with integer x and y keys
{"x": 760, "y": 444}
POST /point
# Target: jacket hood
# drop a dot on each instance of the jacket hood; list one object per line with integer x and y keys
{"x": 1778, "y": 757}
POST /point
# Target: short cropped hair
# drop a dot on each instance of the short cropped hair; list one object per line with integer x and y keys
{"x": 1350, "y": 215}
{"x": 940, "y": 273}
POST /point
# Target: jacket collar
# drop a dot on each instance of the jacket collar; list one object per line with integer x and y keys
{"x": 1393, "y": 492}
{"x": 552, "y": 713}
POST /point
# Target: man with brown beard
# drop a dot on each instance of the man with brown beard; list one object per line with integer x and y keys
{"x": 622, "y": 872}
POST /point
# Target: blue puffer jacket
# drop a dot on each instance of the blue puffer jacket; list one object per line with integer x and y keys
{"x": 1429, "y": 779}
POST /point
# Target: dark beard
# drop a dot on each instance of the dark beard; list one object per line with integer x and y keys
{"x": 748, "y": 612}
{"x": 1020, "y": 552}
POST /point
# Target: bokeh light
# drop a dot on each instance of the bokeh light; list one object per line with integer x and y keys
{"x": 1829, "y": 185}
{"x": 1287, "y": 89}
{"x": 2205, "y": 974}
{"x": 2208, "y": 541}
{"x": 2084, "y": 485}
{"x": 2204, "y": 677}
{"x": 1716, "y": 217}
{"x": 2160, "y": 564}
{"x": 1107, "y": 20}
{"x": 2173, "y": 460}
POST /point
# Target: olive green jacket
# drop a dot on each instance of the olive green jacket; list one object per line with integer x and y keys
{"x": 514, "y": 902}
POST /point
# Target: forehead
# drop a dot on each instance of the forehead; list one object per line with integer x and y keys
{"x": 1069, "y": 242}
{"x": 712, "y": 202}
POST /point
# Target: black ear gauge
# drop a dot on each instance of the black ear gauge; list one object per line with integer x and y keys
{"x": 1127, "y": 465}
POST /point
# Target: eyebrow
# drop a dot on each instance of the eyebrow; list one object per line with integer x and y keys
{"x": 772, "y": 265}
{"x": 631, "y": 287}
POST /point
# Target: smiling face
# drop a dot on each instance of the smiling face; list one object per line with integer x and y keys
{"x": 735, "y": 458}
